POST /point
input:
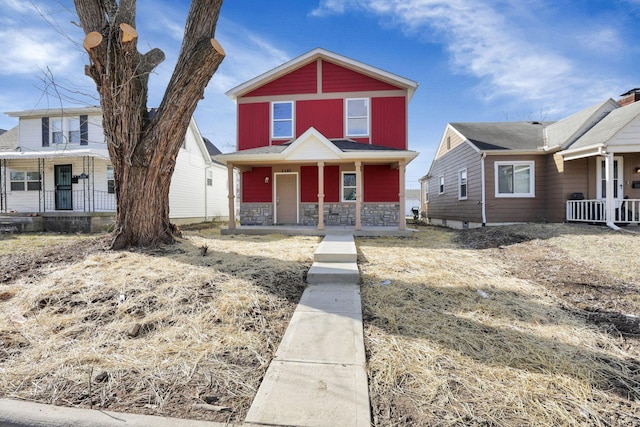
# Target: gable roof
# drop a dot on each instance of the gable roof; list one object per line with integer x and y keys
{"x": 566, "y": 131}
{"x": 489, "y": 136}
{"x": 55, "y": 112}
{"x": 605, "y": 130}
{"x": 320, "y": 53}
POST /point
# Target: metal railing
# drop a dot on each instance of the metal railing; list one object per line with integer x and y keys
{"x": 626, "y": 211}
{"x": 83, "y": 201}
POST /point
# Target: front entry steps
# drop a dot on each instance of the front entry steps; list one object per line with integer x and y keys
{"x": 335, "y": 261}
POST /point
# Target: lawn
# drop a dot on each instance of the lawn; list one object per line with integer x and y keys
{"x": 518, "y": 325}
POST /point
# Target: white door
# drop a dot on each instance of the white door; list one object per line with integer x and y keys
{"x": 601, "y": 176}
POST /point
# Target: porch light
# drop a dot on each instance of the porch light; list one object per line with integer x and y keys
{"x": 638, "y": 169}
{"x": 266, "y": 179}
{"x": 83, "y": 176}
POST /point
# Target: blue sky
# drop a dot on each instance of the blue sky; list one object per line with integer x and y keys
{"x": 475, "y": 60}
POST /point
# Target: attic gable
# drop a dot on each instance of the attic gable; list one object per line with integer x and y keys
{"x": 311, "y": 145}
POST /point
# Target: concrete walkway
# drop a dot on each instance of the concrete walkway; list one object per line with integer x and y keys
{"x": 318, "y": 376}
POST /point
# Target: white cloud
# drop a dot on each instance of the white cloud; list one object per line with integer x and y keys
{"x": 484, "y": 39}
{"x": 27, "y": 52}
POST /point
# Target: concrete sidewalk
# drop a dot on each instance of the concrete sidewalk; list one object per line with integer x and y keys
{"x": 318, "y": 376}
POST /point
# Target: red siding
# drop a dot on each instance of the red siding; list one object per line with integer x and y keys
{"x": 302, "y": 80}
{"x": 324, "y": 115}
{"x": 331, "y": 184}
{"x": 253, "y": 125}
{"x": 381, "y": 184}
{"x": 388, "y": 122}
{"x": 339, "y": 79}
{"x": 254, "y": 189}
{"x": 308, "y": 184}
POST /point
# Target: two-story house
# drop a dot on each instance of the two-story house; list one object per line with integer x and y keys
{"x": 55, "y": 164}
{"x": 322, "y": 140}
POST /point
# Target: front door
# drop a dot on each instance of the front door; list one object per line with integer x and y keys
{"x": 618, "y": 182}
{"x": 286, "y": 211}
{"x": 64, "y": 194}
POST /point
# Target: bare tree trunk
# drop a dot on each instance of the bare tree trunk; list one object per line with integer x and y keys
{"x": 143, "y": 146}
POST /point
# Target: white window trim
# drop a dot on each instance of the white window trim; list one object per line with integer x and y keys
{"x": 293, "y": 121}
{"x": 441, "y": 179}
{"x": 209, "y": 178}
{"x": 460, "y": 197}
{"x": 342, "y": 174}
{"x": 599, "y": 178}
{"x": 25, "y": 181}
{"x": 532, "y": 183}
{"x": 346, "y": 117}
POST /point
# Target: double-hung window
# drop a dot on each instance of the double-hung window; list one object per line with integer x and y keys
{"x": 357, "y": 117}
{"x": 515, "y": 179}
{"x": 65, "y": 130}
{"x": 209, "y": 178}
{"x": 111, "y": 183}
{"x": 348, "y": 186}
{"x": 282, "y": 119}
{"x": 24, "y": 181}
{"x": 441, "y": 184}
{"x": 462, "y": 184}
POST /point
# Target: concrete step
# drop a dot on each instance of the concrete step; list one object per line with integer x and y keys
{"x": 336, "y": 248}
{"x": 333, "y": 272}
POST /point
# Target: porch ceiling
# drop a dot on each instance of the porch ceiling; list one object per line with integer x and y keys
{"x": 86, "y": 152}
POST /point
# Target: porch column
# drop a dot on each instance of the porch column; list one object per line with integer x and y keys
{"x": 402, "y": 223}
{"x": 358, "y": 195}
{"x": 608, "y": 203}
{"x": 232, "y": 197}
{"x": 320, "y": 195}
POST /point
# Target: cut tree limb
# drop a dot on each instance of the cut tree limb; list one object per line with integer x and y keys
{"x": 218, "y": 47}
{"x": 92, "y": 40}
{"x": 128, "y": 32}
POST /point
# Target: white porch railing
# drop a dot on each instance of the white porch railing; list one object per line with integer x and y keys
{"x": 626, "y": 211}
{"x": 84, "y": 201}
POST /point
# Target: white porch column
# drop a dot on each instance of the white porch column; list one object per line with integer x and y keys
{"x": 320, "y": 195}
{"x": 358, "y": 195}
{"x": 402, "y": 223}
{"x": 609, "y": 199}
{"x": 232, "y": 197}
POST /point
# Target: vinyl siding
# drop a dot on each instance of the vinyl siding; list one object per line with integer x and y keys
{"x": 380, "y": 184}
{"x": 308, "y": 184}
{"x": 326, "y": 115}
{"x": 388, "y": 122}
{"x": 253, "y": 125}
{"x": 302, "y": 80}
{"x": 339, "y": 79}
{"x": 447, "y": 205}
{"x": 30, "y": 134}
{"x": 254, "y": 189}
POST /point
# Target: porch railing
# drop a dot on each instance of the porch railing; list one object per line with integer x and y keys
{"x": 84, "y": 201}
{"x": 626, "y": 211}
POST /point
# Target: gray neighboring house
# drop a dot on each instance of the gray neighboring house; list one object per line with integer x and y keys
{"x": 583, "y": 168}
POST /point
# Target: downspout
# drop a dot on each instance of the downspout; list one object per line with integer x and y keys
{"x": 206, "y": 191}
{"x": 483, "y": 191}
{"x": 610, "y": 212}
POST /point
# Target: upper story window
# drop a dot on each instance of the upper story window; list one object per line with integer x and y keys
{"x": 65, "y": 131}
{"x": 348, "y": 186}
{"x": 357, "y": 120}
{"x": 515, "y": 179}
{"x": 282, "y": 119}
{"x": 441, "y": 184}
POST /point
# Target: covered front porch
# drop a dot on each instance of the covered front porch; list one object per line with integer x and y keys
{"x": 317, "y": 183}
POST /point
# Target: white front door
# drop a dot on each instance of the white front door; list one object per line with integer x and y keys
{"x": 601, "y": 175}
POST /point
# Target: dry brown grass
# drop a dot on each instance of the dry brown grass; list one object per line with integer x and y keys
{"x": 208, "y": 325}
{"x": 542, "y": 349}
{"x": 440, "y": 353}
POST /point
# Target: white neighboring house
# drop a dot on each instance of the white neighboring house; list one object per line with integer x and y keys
{"x": 56, "y": 162}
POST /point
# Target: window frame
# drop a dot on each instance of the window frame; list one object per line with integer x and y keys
{"x": 367, "y": 117}
{"x": 354, "y": 186}
{"x": 209, "y": 178}
{"x": 61, "y": 127}
{"x": 441, "y": 184}
{"x": 532, "y": 178}
{"x": 273, "y": 120}
{"x": 25, "y": 181}
{"x": 111, "y": 183}
{"x": 462, "y": 184}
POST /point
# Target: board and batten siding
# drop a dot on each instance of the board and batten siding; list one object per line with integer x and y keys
{"x": 449, "y": 163}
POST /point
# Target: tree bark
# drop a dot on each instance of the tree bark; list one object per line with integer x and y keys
{"x": 143, "y": 147}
